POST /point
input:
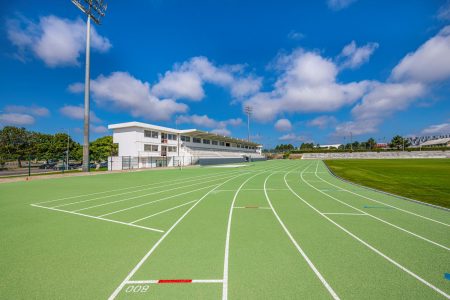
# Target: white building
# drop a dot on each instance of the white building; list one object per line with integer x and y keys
{"x": 144, "y": 145}
{"x": 330, "y": 146}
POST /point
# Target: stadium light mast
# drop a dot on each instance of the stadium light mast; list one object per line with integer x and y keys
{"x": 248, "y": 110}
{"x": 95, "y": 10}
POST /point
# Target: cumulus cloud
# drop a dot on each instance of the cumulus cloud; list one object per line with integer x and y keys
{"x": 292, "y": 137}
{"x": 443, "y": 128}
{"x": 186, "y": 80}
{"x": 323, "y": 122}
{"x": 444, "y": 11}
{"x": 307, "y": 84}
{"x": 98, "y": 129}
{"x": 56, "y": 41}
{"x": 203, "y": 121}
{"x": 339, "y": 4}
{"x": 353, "y": 56}
{"x": 77, "y": 113}
{"x": 33, "y": 110}
{"x": 16, "y": 119}
{"x": 122, "y": 91}
{"x": 295, "y": 35}
{"x": 283, "y": 125}
{"x": 429, "y": 63}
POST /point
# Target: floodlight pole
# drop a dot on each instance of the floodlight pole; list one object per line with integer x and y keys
{"x": 248, "y": 111}
{"x": 87, "y": 82}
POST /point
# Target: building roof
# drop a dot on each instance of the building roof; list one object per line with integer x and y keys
{"x": 436, "y": 142}
{"x": 190, "y": 132}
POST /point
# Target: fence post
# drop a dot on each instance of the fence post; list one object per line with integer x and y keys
{"x": 138, "y": 162}
{"x": 29, "y": 165}
{"x": 151, "y": 162}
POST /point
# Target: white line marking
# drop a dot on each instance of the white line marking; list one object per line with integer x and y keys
{"x": 156, "y": 281}
{"x": 227, "y": 241}
{"x": 368, "y": 245}
{"x": 139, "y": 196}
{"x": 349, "y": 214}
{"x": 377, "y": 218}
{"x": 251, "y": 207}
{"x": 146, "y": 256}
{"x": 98, "y": 218}
{"x": 311, "y": 265}
{"x": 381, "y": 202}
{"x": 127, "y": 188}
{"x": 163, "y": 211}
{"x": 158, "y": 200}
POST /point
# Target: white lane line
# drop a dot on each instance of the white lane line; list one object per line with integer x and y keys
{"x": 139, "y": 196}
{"x": 384, "y": 203}
{"x": 368, "y": 245}
{"x": 146, "y": 256}
{"x": 152, "y": 281}
{"x": 379, "y": 219}
{"x": 311, "y": 265}
{"x": 98, "y": 218}
{"x": 149, "y": 194}
{"x": 163, "y": 211}
{"x": 127, "y": 188}
{"x": 227, "y": 240}
{"x": 348, "y": 214}
{"x": 158, "y": 200}
{"x": 251, "y": 207}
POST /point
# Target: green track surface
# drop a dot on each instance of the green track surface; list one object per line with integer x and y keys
{"x": 295, "y": 232}
{"x": 426, "y": 180}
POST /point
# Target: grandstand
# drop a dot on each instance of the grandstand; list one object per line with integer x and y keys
{"x": 144, "y": 145}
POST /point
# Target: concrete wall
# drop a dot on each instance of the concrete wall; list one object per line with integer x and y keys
{"x": 378, "y": 155}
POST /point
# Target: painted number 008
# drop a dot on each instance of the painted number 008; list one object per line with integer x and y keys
{"x": 137, "y": 289}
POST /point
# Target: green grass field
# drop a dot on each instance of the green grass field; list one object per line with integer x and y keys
{"x": 426, "y": 180}
{"x": 271, "y": 230}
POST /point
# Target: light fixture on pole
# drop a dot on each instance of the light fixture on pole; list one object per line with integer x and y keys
{"x": 248, "y": 110}
{"x": 95, "y": 10}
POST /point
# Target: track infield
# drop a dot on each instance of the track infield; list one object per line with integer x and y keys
{"x": 273, "y": 230}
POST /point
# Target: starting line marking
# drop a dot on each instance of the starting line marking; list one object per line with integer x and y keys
{"x": 173, "y": 281}
{"x": 258, "y": 207}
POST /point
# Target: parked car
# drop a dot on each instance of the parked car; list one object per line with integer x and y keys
{"x": 104, "y": 164}
{"x": 49, "y": 165}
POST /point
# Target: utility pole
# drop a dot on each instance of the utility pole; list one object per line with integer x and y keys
{"x": 95, "y": 10}
{"x": 67, "y": 151}
{"x": 248, "y": 110}
{"x": 351, "y": 141}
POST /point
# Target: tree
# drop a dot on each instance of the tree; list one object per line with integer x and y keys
{"x": 103, "y": 147}
{"x": 399, "y": 142}
{"x": 15, "y": 143}
{"x": 371, "y": 143}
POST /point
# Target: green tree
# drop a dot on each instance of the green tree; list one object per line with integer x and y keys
{"x": 399, "y": 142}
{"x": 371, "y": 143}
{"x": 15, "y": 143}
{"x": 101, "y": 148}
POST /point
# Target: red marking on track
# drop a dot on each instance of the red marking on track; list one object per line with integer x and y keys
{"x": 175, "y": 281}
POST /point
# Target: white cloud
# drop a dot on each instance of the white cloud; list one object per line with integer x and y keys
{"x": 222, "y": 131}
{"x": 353, "y": 56}
{"x": 123, "y": 92}
{"x": 57, "y": 41}
{"x": 283, "y": 125}
{"x": 33, "y": 110}
{"x": 77, "y": 113}
{"x": 292, "y": 137}
{"x": 99, "y": 129}
{"x": 357, "y": 127}
{"x": 16, "y": 119}
{"x": 443, "y": 128}
{"x": 307, "y": 84}
{"x": 339, "y": 4}
{"x": 323, "y": 121}
{"x": 429, "y": 63}
{"x": 186, "y": 80}
{"x": 444, "y": 12}
{"x": 295, "y": 35}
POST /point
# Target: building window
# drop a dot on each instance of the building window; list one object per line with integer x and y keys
{"x": 171, "y": 149}
{"x": 206, "y": 141}
{"x": 197, "y": 140}
{"x": 172, "y": 137}
{"x": 186, "y": 138}
{"x": 151, "y": 134}
{"x": 215, "y": 143}
{"x": 246, "y": 147}
{"x": 227, "y": 144}
{"x": 151, "y": 148}
{"x": 222, "y": 143}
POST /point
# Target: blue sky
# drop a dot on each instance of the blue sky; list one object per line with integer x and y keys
{"x": 311, "y": 70}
